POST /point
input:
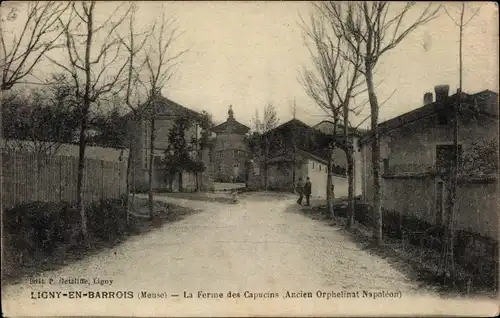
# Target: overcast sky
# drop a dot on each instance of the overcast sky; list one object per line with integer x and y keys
{"x": 248, "y": 54}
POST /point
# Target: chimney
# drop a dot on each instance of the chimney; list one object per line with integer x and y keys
{"x": 441, "y": 92}
{"x": 428, "y": 98}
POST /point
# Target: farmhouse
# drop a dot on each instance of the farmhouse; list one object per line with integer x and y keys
{"x": 165, "y": 113}
{"x": 416, "y": 149}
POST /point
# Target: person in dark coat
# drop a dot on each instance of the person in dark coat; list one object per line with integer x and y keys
{"x": 300, "y": 190}
{"x": 307, "y": 190}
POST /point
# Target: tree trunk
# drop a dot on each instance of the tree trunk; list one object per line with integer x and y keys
{"x": 128, "y": 177}
{"x": 81, "y": 177}
{"x": 179, "y": 181}
{"x": 375, "y": 144}
{"x": 329, "y": 192}
{"x": 266, "y": 153}
{"x": 199, "y": 175}
{"x": 197, "y": 181}
{"x": 294, "y": 167}
{"x": 133, "y": 171}
{"x": 449, "y": 240}
{"x": 151, "y": 163}
{"x": 350, "y": 181}
{"x": 84, "y": 123}
{"x": 348, "y": 148}
{"x": 1, "y": 184}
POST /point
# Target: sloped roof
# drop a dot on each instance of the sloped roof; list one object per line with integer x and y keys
{"x": 486, "y": 102}
{"x": 165, "y": 107}
{"x": 326, "y": 126}
{"x": 289, "y": 124}
{"x": 232, "y": 125}
{"x": 307, "y": 138}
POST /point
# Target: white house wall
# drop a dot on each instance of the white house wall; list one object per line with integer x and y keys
{"x": 317, "y": 172}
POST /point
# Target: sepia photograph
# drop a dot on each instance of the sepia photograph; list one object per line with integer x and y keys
{"x": 249, "y": 158}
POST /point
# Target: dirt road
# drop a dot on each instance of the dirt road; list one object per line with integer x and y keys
{"x": 259, "y": 248}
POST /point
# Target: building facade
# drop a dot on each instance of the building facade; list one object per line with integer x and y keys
{"x": 166, "y": 112}
{"x": 416, "y": 150}
{"x": 339, "y": 156}
{"x": 230, "y": 154}
{"x": 297, "y": 150}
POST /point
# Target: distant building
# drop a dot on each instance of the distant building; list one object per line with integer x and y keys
{"x": 165, "y": 113}
{"x": 339, "y": 156}
{"x": 230, "y": 151}
{"x": 297, "y": 150}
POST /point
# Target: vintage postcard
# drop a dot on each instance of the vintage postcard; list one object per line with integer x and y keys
{"x": 249, "y": 158}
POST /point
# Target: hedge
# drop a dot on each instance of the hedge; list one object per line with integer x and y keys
{"x": 44, "y": 226}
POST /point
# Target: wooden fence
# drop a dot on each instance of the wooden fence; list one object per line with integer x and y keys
{"x": 29, "y": 177}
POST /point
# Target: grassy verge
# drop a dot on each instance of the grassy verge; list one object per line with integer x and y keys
{"x": 25, "y": 262}
{"x": 418, "y": 263}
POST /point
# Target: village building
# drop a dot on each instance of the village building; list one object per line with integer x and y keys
{"x": 339, "y": 157}
{"x": 297, "y": 150}
{"x": 165, "y": 112}
{"x": 230, "y": 154}
{"x": 416, "y": 150}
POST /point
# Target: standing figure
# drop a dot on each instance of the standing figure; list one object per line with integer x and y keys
{"x": 307, "y": 191}
{"x": 300, "y": 190}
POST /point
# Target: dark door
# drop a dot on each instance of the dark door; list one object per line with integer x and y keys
{"x": 439, "y": 202}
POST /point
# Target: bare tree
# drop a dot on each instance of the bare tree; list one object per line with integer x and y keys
{"x": 93, "y": 76}
{"x": 332, "y": 83}
{"x": 134, "y": 44}
{"x": 448, "y": 254}
{"x": 379, "y": 27}
{"x": 160, "y": 62}
{"x": 20, "y": 53}
{"x": 270, "y": 122}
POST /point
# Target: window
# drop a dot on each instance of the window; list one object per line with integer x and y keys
{"x": 445, "y": 156}
{"x": 320, "y": 168}
{"x": 386, "y": 165}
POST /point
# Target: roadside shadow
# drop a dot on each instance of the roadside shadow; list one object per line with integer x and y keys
{"x": 409, "y": 260}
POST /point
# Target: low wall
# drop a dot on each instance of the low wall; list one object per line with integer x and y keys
{"x": 477, "y": 203}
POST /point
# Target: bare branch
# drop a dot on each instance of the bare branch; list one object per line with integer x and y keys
{"x": 449, "y": 15}
{"x": 36, "y": 39}
{"x": 336, "y": 59}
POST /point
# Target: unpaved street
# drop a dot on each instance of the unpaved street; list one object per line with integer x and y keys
{"x": 259, "y": 245}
